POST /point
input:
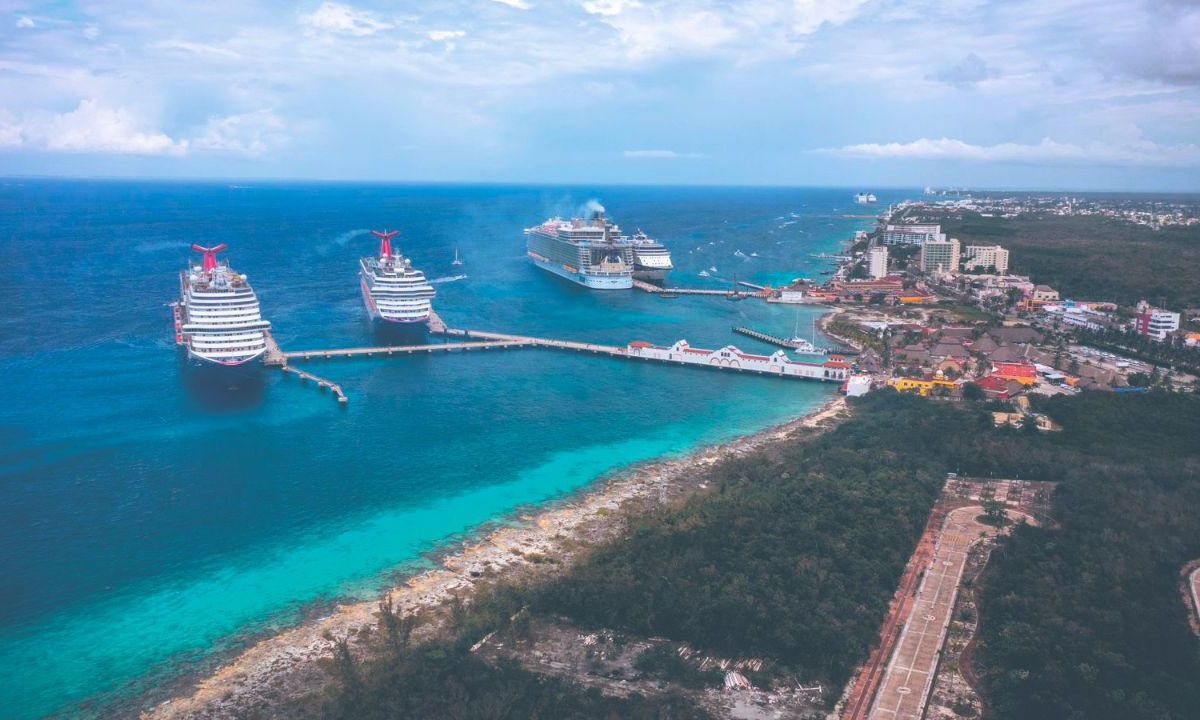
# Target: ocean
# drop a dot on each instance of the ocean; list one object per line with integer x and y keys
{"x": 151, "y": 522}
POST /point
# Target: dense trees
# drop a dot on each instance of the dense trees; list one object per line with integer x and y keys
{"x": 794, "y": 556}
{"x": 797, "y": 548}
{"x": 1094, "y": 258}
{"x": 1085, "y": 620}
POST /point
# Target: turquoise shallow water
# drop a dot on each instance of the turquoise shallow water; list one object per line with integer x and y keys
{"x": 150, "y": 520}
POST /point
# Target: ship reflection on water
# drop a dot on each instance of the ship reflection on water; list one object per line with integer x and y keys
{"x": 224, "y": 389}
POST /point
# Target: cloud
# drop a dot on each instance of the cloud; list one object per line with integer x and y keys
{"x": 343, "y": 19}
{"x": 91, "y": 128}
{"x": 967, "y": 72}
{"x": 443, "y": 35}
{"x": 518, "y": 4}
{"x": 810, "y": 15}
{"x": 608, "y": 7}
{"x": 194, "y": 48}
{"x": 250, "y": 134}
{"x": 25, "y": 22}
{"x": 661, "y": 155}
{"x": 1047, "y": 152}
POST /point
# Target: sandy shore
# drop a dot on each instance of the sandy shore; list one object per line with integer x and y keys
{"x": 285, "y": 666}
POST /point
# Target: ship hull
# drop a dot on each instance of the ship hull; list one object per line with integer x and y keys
{"x": 594, "y": 282}
{"x": 651, "y": 274}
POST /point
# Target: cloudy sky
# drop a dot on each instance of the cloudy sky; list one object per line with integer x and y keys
{"x": 863, "y": 93}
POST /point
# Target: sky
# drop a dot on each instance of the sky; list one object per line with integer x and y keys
{"x": 1037, "y": 94}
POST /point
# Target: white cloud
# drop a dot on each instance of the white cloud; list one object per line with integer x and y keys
{"x": 661, "y": 155}
{"x": 195, "y": 48}
{"x": 443, "y": 35}
{"x": 250, "y": 134}
{"x": 91, "y": 32}
{"x": 338, "y": 18}
{"x": 518, "y": 4}
{"x": 1047, "y": 152}
{"x": 810, "y": 15}
{"x": 25, "y": 22}
{"x": 608, "y": 7}
{"x": 91, "y": 127}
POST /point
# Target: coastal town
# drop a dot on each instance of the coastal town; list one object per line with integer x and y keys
{"x": 936, "y": 317}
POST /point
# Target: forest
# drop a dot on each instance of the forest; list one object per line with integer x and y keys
{"x": 795, "y": 551}
{"x": 1124, "y": 262}
{"x": 1086, "y": 619}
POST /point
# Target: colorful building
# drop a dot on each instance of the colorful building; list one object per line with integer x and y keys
{"x": 1024, "y": 373}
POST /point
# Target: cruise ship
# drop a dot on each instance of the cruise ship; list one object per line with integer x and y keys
{"x": 217, "y": 317}
{"x": 592, "y": 252}
{"x": 392, "y": 289}
{"x": 651, "y": 260}
{"x": 865, "y": 198}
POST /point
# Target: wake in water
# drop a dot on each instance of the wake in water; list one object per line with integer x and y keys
{"x": 447, "y": 279}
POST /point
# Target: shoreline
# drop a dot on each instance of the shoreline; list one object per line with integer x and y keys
{"x": 529, "y": 544}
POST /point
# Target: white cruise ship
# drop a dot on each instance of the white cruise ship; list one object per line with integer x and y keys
{"x": 592, "y": 253}
{"x": 865, "y": 198}
{"x": 217, "y": 317}
{"x": 392, "y": 289}
{"x": 651, "y": 260}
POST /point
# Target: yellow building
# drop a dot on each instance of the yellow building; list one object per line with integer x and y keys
{"x": 920, "y": 386}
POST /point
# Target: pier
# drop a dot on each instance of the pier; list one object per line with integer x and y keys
{"x": 320, "y": 382}
{"x": 778, "y": 341}
{"x": 401, "y": 349}
{"x": 727, "y": 358}
{"x": 652, "y": 288}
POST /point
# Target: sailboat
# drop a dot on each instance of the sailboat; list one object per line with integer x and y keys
{"x": 457, "y": 260}
{"x": 804, "y": 346}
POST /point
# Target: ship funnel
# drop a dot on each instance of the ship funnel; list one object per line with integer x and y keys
{"x": 385, "y": 241}
{"x": 210, "y": 255}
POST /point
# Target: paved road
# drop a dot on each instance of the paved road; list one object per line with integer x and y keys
{"x": 910, "y": 671}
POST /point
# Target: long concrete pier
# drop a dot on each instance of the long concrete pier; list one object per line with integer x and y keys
{"x": 652, "y": 288}
{"x": 400, "y": 350}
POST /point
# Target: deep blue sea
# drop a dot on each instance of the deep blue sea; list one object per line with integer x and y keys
{"x": 149, "y": 522}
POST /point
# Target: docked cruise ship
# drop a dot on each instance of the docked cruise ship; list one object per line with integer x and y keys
{"x": 217, "y": 317}
{"x": 393, "y": 290}
{"x": 651, "y": 260}
{"x": 592, "y": 253}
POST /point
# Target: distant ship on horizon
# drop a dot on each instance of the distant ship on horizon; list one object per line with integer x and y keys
{"x": 590, "y": 252}
{"x": 865, "y": 198}
{"x": 392, "y": 289}
{"x": 217, "y": 317}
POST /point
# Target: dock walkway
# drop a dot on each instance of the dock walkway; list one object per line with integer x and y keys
{"x": 651, "y": 288}
{"x": 402, "y": 349}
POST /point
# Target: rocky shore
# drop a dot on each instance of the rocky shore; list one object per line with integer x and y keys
{"x": 286, "y": 667}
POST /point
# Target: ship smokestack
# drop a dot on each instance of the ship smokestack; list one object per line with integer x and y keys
{"x": 210, "y": 255}
{"x": 385, "y": 241}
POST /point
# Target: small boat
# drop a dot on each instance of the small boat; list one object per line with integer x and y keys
{"x": 703, "y": 273}
{"x": 804, "y": 346}
{"x": 713, "y": 269}
{"x": 457, "y": 260}
{"x": 739, "y": 253}
{"x": 753, "y": 254}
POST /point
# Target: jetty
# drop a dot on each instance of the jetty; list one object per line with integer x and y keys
{"x": 276, "y": 357}
{"x": 778, "y": 341}
{"x": 385, "y": 350}
{"x": 652, "y": 288}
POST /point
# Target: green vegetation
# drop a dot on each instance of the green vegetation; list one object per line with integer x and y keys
{"x": 1093, "y": 258}
{"x": 1086, "y": 620}
{"x": 794, "y": 556}
{"x": 795, "y": 551}
{"x": 443, "y": 679}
